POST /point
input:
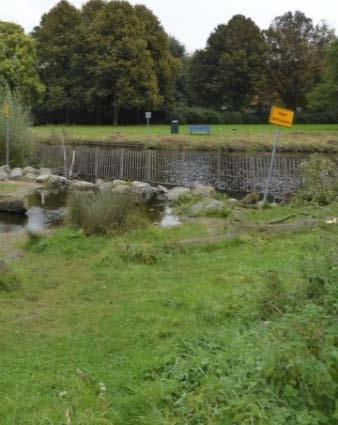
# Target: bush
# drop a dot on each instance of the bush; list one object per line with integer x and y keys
{"x": 105, "y": 212}
{"x": 19, "y": 129}
{"x": 189, "y": 115}
{"x": 320, "y": 180}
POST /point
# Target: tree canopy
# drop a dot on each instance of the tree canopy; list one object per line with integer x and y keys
{"x": 18, "y": 62}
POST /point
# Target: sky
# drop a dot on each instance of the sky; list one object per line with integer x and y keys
{"x": 191, "y": 21}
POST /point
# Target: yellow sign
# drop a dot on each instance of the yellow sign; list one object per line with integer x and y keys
{"x": 6, "y": 110}
{"x": 282, "y": 117}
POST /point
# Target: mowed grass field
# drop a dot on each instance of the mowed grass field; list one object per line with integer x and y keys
{"x": 302, "y": 137}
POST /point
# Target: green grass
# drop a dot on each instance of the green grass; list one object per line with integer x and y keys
{"x": 177, "y": 336}
{"x": 303, "y": 137}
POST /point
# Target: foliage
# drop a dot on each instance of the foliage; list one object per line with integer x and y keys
{"x": 105, "y": 212}
{"x": 320, "y": 180}
{"x": 9, "y": 281}
{"x": 18, "y": 63}
{"x": 296, "y": 56}
{"x": 19, "y": 128}
{"x": 323, "y": 97}
{"x": 227, "y": 72}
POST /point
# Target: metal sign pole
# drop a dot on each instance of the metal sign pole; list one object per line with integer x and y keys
{"x": 7, "y": 140}
{"x": 273, "y": 156}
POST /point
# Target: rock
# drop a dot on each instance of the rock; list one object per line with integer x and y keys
{"x": 43, "y": 178}
{"x": 12, "y": 204}
{"x": 16, "y": 174}
{"x": 144, "y": 189}
{"x": 30, "y": 170}
{"x": 56, "y": 216}
{"x": 5, "y": 168}
{"x": 250, "y": 199}
{"x": 119, "y": 182}
{"x": 3, "y": 174}
{"x": 162, "y": 189}
{"x": 199, "y": 189}
{"x": 57, "y": 181}
{"x": 261, "y": 204}
{"x": 232, "y": 202}
{"x": 122, "y": 188}
{"x": 207, "y": 206}
{"x": 29, "y": 177}
{"x": 44, "y": 171}
{"x": 178, "y": 193}
{"x": 102, "y": 185}
{"x": 81, "y": 185}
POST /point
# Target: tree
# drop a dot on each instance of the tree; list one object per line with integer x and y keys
{"x": 228, "y": 71}
{"x": 18, "y": 62}
{"x": 119, "y": 61}
{"x": 58, "y": 40}
{"x": 296, "y": 56}
{"x": 324, "y": 96}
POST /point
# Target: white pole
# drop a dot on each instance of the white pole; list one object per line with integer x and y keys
{"x": 273, "y": 156}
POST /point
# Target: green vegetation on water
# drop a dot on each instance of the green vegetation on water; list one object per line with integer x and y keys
{"x": 302, "y": 137}
{"x": 148, "y": 328}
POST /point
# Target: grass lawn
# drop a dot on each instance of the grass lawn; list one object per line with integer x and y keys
{"x": 306, "y": 137}
{"x": 212, "y": 333}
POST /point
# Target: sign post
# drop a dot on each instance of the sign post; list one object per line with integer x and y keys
{"x": 281, "y": 118}
{"x": 148, "y": 118}
{"x": 7, "y": 113}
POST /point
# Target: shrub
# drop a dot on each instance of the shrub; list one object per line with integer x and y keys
{"x": 8, "y": 280}
{"x": 320, "y": 180}
{"x": 21, "y": 146}
{"x": 189, "y": 115}
{"x": 105, "y": 212}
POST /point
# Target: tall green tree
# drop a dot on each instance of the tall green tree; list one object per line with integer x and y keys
{"x": 122, "y": 69}
{"x": 58, "y": 38}
{"x": 324, "y": 96}
{"x": 18, "y": 63}
{"x": 296, "y": 56}
{"x": 228, "y": 71}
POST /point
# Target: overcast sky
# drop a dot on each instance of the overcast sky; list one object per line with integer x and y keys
{"x": 191, "y": 21}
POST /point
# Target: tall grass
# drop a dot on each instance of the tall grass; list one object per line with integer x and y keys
{"x": 105, "y": 212}
{"x": 21, "y": 146}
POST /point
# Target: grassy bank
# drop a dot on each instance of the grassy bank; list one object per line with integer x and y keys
{"x": 302, "y": 137}
{"x": 148, "y": 328}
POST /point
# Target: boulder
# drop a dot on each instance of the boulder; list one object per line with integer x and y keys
{"x": 161, "y": 189}
{"x": 144, "y": 189}
{"x": 16, "y": 174}
{"x": 44, "y": 171}
{"x": 122, "y": 188}
{"x": 12, "y": 204}
{"x": 232, "y": 202}
{"x": 29, "y": 177}
{"x": 102, "y": 185}
{"x": 207, "y": 206}
{"x": 57, "y": 181}
{"x": 199, "y": 189}
{"x": 81, "y": 185}
{"x": 119, "y": 182}
{"x": 5, "y": 168}
{"x": 43, "y": 178}
{"x": 178, "y": 193}
{"x": 3, "y": 174}
{"x": 30, "y": 170}
{"x": 250, "y": 199}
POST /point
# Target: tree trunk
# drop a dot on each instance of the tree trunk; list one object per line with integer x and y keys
{"x": 115, "y": 113}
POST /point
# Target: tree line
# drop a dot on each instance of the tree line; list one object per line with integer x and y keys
{"x": 110, "y": 61}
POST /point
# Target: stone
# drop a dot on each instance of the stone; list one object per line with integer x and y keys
{"x": 44, "y": 171}
{"x": 57, "y": 181}
{"x": 30, "y": 170}
{"x": 199, "y": 189}
{"x": 162, "y": 189}
{"x": 178, "y": 193}
{"x": 12, "y": 204}
{"x": 250, "y": 199}
{"x": 5, "y": 168}
{"x": 119, "y": 182}
{"x": 144, "y": 189}
{"x": 81, "y": 185}
{"x": 16, "y": 174}
{"x": 43, "y": 178}
{"x": 102, "y": 185}
{"x": 232, "y": 202}
{"x": 122, "y": 188}
{"x": 3, "y": 175}
{"x": 207, "y": 206}
{"x": 29, "y": 177}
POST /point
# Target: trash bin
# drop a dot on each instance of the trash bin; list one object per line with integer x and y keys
{"x": 174, "y": 127}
